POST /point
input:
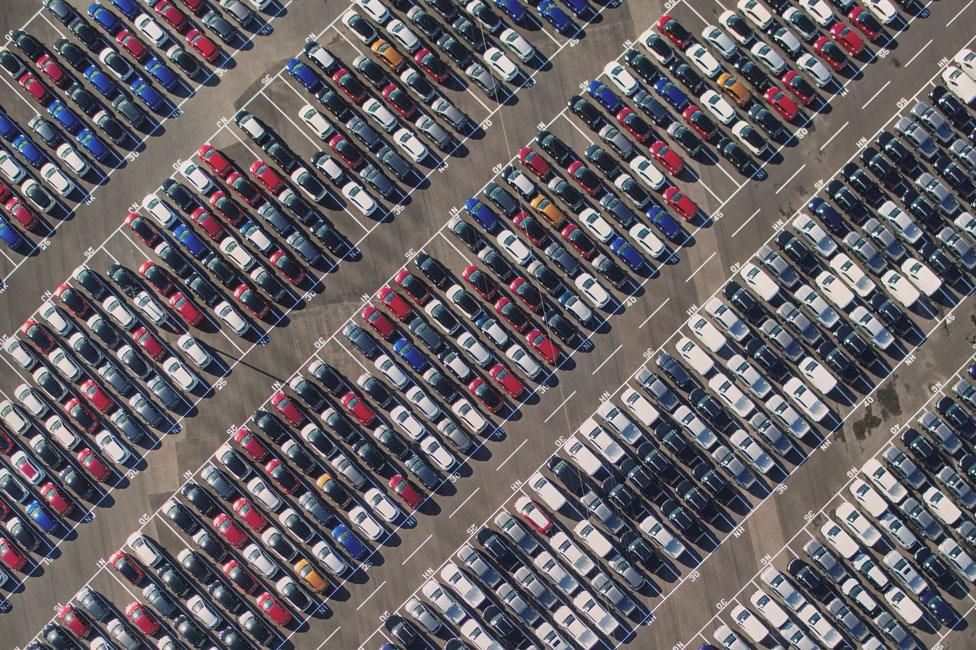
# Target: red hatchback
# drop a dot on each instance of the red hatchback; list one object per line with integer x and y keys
{"x": 172, "y": 15}
{"x": 230, "y": 531}
{"x": 585, "y": 178}
{"x": 504, "y": 378}
{"x": 215, "y": 160}
{"x": 36, "y": 88}
{"x": 543, "y": 345}
{"x": 432, "y": 65}
{"x": 781, "y": 103}
{"x": 252, "y": 301}
{"x": 10, "y": 556}
{"x": 681, "y": 203}
{"x": 132, "y": 45}
{"x": 396, "y": 304}
{"x": 699, "y": 122}
{"x": 379, "y": 322}
{"x": 287, "y": 408}
{"x": 148, "y": 343}
{"x": 206, "y": 221}
{"x": 273, "y": 610}
{"x": 866, "y": 23}
{"x": 268, "y": 177}
{"x": 91, "y": 464}
{"x": 186, "y": 309}
{"x": 534, "y": 161}
{"x": 634, "y": 124}
{"x": 16, "y": 209}
{"x": 357, "y": 407}
{"x": 399, "y": 100}
{"x": 667, "y": 157}
{"x": 69, "y": 618}
{"x": 251, "y": 515}
{"x": 480, "y": 282}
{"x": 847, "y": 38}
{"x": 203, "y": 45}
{"x": 53, "y": 70}
{"x": 94, "y": 393}
{"x": 250, "y": 444}
{"x": 675, "y": 32}
{"x": 830, "y": 53}
{"x": 157, "y": 277}
{"x": 57, "y": 501}
{"x": 513, "y": 314}
{"x": 414, "y": 287}
{"x": 349, "y": 85}
{"x": 81, "y": 415}
{"x": 406, "y": 492}
{"x": 799, "y": 87}
{"x": 140, "y": 617}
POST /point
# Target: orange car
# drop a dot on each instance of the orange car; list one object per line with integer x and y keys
{"x": 735, "y": 89}
{"x": 388, "y": 53}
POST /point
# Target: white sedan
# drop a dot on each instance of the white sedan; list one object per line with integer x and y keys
{"x": 198, "y": 178}
{"x": 960, "y": 84}
{"x": 408, "y": 142}
{"x": 819, "y": 11}
{"x": 647, "y": 240}
{"x": 719, "y": 40}
{"x": 865, "y": 495}
{"x": 365, "y": 522}
{"x": 621, "y": 78}
{"x": 718, "y": 107}
{"x": 883, "y": 10}
{"x": 592, "y": 290}
{"x": 806, "y": 399}
{"x": 151, "y": 30}
{"x": 72, "y": 159}
{"x": 704, "y": 61}
{"x": 500, "y": 64}
{"x": 815, "y": 68}
{"x": 769, "y": 58}
{"x": 438, "y": 453}
{"x": 919, "y": 274}
{"x": 56, "y": 179}
{"x": 514, "y": 248}
{"x": 857, "y": 523}
{"x": 360, "y": 198}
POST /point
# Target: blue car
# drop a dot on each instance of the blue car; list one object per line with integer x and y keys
{"x": 659, "y": 217}
{"x": 105, "y": 18}
{"x": 604, "y": 96}
{"x": 671, "y": 94}
{"x": 40, "y": 516}
{"x": 622, "y": 248}
{"x": 481, "y": 213}
{"x": 93, "y": 145}
{"x": 190, "y": 241}
{"x": 827, "y": 214}
{"x": 102, "y": 82}
{"x": 29, "y": 150}
{"x": 512, "y": 9}
{"x": 128, "y": 8}
{"x": 161, "y": 73}
{"x": 8, "y": 129}
{"x": 64, "y": 116}
{"x": 414, "y": 357}
{"x": 305, "y": 75}
{"x": 555, "y": 16}
{"x": 580, "y": 8}
{"x": 342, "y": 535}
{"x": 147, "y": 94}
{"x": 9, "y": 235}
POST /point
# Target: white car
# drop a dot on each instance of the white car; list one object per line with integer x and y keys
{"x": 469, "y": 415}
{"x": 64, "y": 365}
{"x": 474, "y": 632}
{"x": 198, "y": 178}
{"x": 756, "y": 13}
{"x": 581, "y": 455}
{"x": 151, "y": 30}
{"x": 255, "y": 557}
{"x": 582, "y": 635}
{"x": 375, "y": 10}
{"x": 514, "y": 248}
{"x": 727, "y": 319}
{"x": 551, "y": 495}
{"x": 196, "y": 352}
{"x": 950, "y": 550}
{"x": 409, "y": 424}
{"x": 474, "y": 348}
{"x": 621, "y": 78}
{"x": 518, "y": 356}
{"x": 56, "y": 180}
{"x": 695, "y": 356}
{"x": 769, "y": 609}
{"x": 819, "y": 11}
{"x": 180, "y": 374}
{"x": 392, "y": 371}
{"x": 600, "y": 439}
{"x": 500, "y": 64}
{"x": 869, "y": 325}
{"x": 707, "y": 333}
{"x": 753, "y": 451}
{"x": 462, "y": 585}
{"x": 20, "y": 353}
{"x": 112, "y": 447}
{"x": 851, "y": 274}
{"x": 718, "y": 107}
{"x": 381, "y": 505}
{"x": 919, "y": 274}
{"x": 259, "y": 490}
{"x": 857, "y": 524}
{"x": 966, "y": 60}
{"x": 941, "y": 506}
{"x": 719, "y": 40}
{"x": 736, "y": 27}
{"x": 818, "y": 375}
{"x": 884, "y": 481}
{"x": 360, "y": 198}
{"x": 784, "y": 588}
{"x": 823, "y": 244}
{"x": 750, "y": 138}
{"x": 820, "y": 626}
{"x": 865, "y": 495}
{"x": 843, "y": 543}
{"x": 232, "y": 318}
{"x": 160, "y": 211}
{"x": 380, "y": 114}
{"x": 438, "y": 453}
{"x": 151, "y": 309}
{"x": 365, "y": 522}
{"x": 403, "y": 35}
{"x": 769, "y": 58}
{"x": 592, "y": 290}
{"x": 816, "y": 305}
{"x": 701, "y": 434}
{"x": 597, "y": 225}
{"x": 408, "y": 142}
{"x": 899, "y": 287}
{"x": 721, "y": 385}
{"x": 960, "y": 84}
{"x": 759, "y": 281}
{"x": 903, "y": 606}
{"x": 645, "y": 170}
{"x": 596, "y": 613}
{"x": 647, "y": 240}
{"x": 703, "y": 60}
{"x": 521, "y": 47}
{"x": 72, "y": 159}
{"x": 883, "y": 10}
{"x": 658, "y": 533}
{"x": 815, "y": 69}
{"x": 747, "y": 373}
{"x": 805, "y": 398}
{"x": 31, "y": 400}
{"x": 316, "y": 121}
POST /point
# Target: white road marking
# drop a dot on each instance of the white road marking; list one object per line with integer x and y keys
{"x": 609, "y": 356}
{"x": 745, "y": 223}
{"x": 414, "y": 552}
{"x": 371, "y": 595}
{"x": 831, "y": 138}
{"x": 914, "y": 56}
{"x": 561, "y": 404}
{"x": 880, "y": 90}
{"x": 461, "y": 505}
{"x": 509, "y": 457}
{"x": 787, "y": 182}
{"x": 700, "y": 266}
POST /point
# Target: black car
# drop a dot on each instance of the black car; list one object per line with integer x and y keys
{"x": 652, "y": 108}
{"x": 587, "y": 112}
{"x": 559, "y": 150}
{"x": 798, "y": 252}
{"x": 862, "y": 184}
{"x": 661, "y": 466}
{"x": 27, "y": 44}
{"x": 199, "y": 497}
{"x": 837, "y": 361}
{"x": 568, "y": 473}
{"x": 952, "y": 108}
{"x": 769, "y": 360}
{"x": 687, "y": 76}
{"x": 710, "y": 408}
{"x": 393, "y": 443}
{"x": 71, "y": 53}
{"x": 371, "y": 71}
{"x": 184, "y": 61}
{"x": 847, "y": 201}
{"x": 685, "y": 137}
{"x": 675, "y": 371}
{"x": 498, "y": 264}
{"x": 468, "y": 234}
{"x": 334, "y": 103}
{"x": 891, "y": 315}
{"x": 881, "y": 167}
{"x": 754, "y": 75}
{"x": 362, "y": 340}
{"x": 808, "y": 577}
{"x": 714, "y": 482}
{"x": 919, "y": 447}
{"x": 456, "y": 52}
{"x": 563, "y": 329}
{"x": 957, "y": 177}
{"x": 441, "y": 385}
{"x": 643, "y": 66}
{"x": 419, "y": 468}
{"x": 427, "y": 24}
{"x": 472, "y": 33}
{"x": 369, "y": 455}
{"x": 736, "y": 155}
{"x": 498, "y": 549}
{"x": 898, "y": 153}
{"x": 744, "y": 302}
{"x": 611, "y": 271}
{"x": 940, "y": 263}
{"x": 766, "y": 121}
{"x": 436, "y": 272}
{"x": 681, "y": 519}
{"x": 603, "y": 161}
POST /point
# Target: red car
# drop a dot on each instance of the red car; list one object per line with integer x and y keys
{"x": 251, "y": 515}
{"x": 667, "y": 157}
{"x": 250, "y": 444}
{"x": 157, "y": 277}
{"x": 349, "y": 85}
{"x": 189, "y": 312}
{"x": 346, "y": 150}
{"x": 81, "y": 415}
{"x": 432, "y": 65}
{"x": 681, "y": 203}
{"x": 485, "y": 394}
{"x": 69, "y": 618}
{"x": 282, "y": 476}
{"x": 480, "y": 282}
{"x": 379, "y": 322}
{"x": 224, "y": 206}
{"x": 252, "y": 301}
{"x": 140, "y": 617}
{"x": 699, "y": 122}
{"x": 396, "y": 304}
{"x": 541, "y": 344}
{"x": 240, "y": 576}
{"x": 36, "y": 88}
{"x": 866, "y": 23}
{"x": 406, "y": 492}
{"x": 287, "y": 267}
{"x": 513, "y": 314}
{"x": 527, "y": 293}
{"x": 532, "y": 228}
{"x": 414, "y": 287}
{"x": 830, "y": 53}
{"x": 847, "y": 38}
{"x": 38, "y": 335}
{"x": 634, "y": 124}
{"x": 53, "y": 497}
{"x": 268, "y": 177}
{"x": 94, "y": 393}
{"x": 532, "y": 513}
{"x": 127, "y": 567}
{"x": 675, "y": 32}
{"x": 16, "y": 209}
{"x": 399, "y": 100}
{"x": 53, "y": 70}
{"x": 585, "y": 178}
{"x": 245, "y": 189}
{"x": 273, "y": 610}
{"x": 579, "y": 241}
{"x": 196, "y": 6}
{"x": 10, "y": 556}
{"x": 203, "y": 45}
{"x": 132, "y": 44}
{"x": 202, "y": 217}
{"x": 357, "y": 407}
{"x": 799, "y": 87}
{"x": 91, "y": 464}
{"x": 73, "y": 300}
{"x": 534, "y": 161}
{"x": 215, "y": 160}
{"x": 504, "y": 378}
{"x": 781, "y": 103}
{"x": 172, "y": 15}
{"x": 144, "y": 230}
{"x": 148, "y": 343}
{"x": 230, "y": 531}
{"x": 287, "y": 408}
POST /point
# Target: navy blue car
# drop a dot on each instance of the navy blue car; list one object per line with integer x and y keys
{"x": 161, "y": 73}
{"x": 102, "y": 82}
{"x": 190, "y": 241}
{"x": 105, "y": 18}
{"x": 305, "y": 75}
{"x": 512, "y": 9}
{"x": 671, "y": 93}
{"x": 409, "y": 353}
{"x": 659, "y": 217}
{"x": 64, "y": 116}
{"x": 147, "y": 94}
{"x": 580, "y": 8}
{"x": 9, "y": 235}
{"x": 622, "y": 248}
{"x": 8, "y": 129}
{"x": 827, "y": 214}
{"x": 342, "y": 535}
{"x": 555, "y": 16}
{"x": 93, "y": 145}
{"x": 481, "y": 213}
{"x": 128, "y": 8}
{"x": 29, "y": 150}
{"x": 40, "y": 516}
{"x": 606, "y": 97}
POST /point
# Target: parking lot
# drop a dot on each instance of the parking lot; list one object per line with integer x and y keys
{"x": 738, "y": 211}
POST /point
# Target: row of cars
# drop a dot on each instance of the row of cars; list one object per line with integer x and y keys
{"x": 898, "y": 538}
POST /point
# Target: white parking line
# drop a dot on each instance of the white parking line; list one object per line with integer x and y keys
{"x": 459, "y": 251}
{"x": 700, "y": 266}
{"x": 880, "y": 90}
{"x": 831, "y": 138}
{"x": 53, "y": 25}
{"x": 414, "y": 552}
{"x": 326, "y": 640}
{"x": 745, "y": 223}
{"x": 366, "y": 600}
{"x": 915, "y": 56}
{"x": 653, "y": 313}
{"x": 959, "y": 13}
{"x": 604, "y": 362}
{"x": 787, "y": 181}
{"x": 561, "y": 404}
{"x": 461, "y": 505}
{"x": 581, "y": 131}
{"x": 511, "y": 455}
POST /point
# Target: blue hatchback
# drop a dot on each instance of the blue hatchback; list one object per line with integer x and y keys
{"x": 305, "y": 75}
{"x": 8, "y": 129}
{"x": 554, "y": 15}
{"x": 105, "y": 18}
{"x": 93, "y": 145}
{"x": 64, "y": 116}
{"x": 190, "y": 241}
{"x": 9, "y": 235}
{"x": 40, "y": 516}
{"x": 481, "y": 213}
{"x": 349, "y": 541}
{"x": 580, "y": 8}
{"x": 147, "y": 94}
{"x": 29, "y": 150}
{"x": 161, "y": 73}
{"x": 606, "y": 97}
{"x": 659, "y": 217}
{"x": 512, "y": 8}
{"x": 671, "y": 93}
{"x": 129, "y": 8}
{"x": 102, "y": 82}
{"x": 622, "y": 248}
{"x": 409, "y": 353}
